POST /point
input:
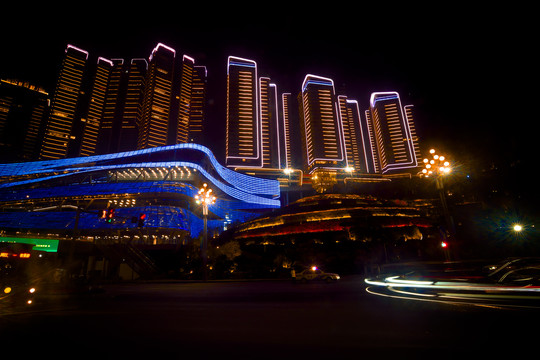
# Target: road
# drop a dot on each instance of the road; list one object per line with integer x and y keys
{"x": 260, "y": 320}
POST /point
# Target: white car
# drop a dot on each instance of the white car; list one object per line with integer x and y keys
{"x": 313, "y": 274}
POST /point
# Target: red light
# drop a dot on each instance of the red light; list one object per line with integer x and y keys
{"x": 142, "y": 217}
{"x": 444, "y": 244}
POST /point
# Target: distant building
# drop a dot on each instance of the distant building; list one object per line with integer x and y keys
{"x": 95, "y": 121}
{"x": 66, "y": 108}
{"x": 322, "y": 133}
{"x": 111, "y": 121}
{"x": 272, "y": 135}
{"x": 394, "y": 146}
{"x": 243, "y": 131}
{"x": 356, "y": 137}
{"x": 129, "y": 130}
{"x": 23, "y": 111}
{"x": 157, "y": 96}
{"x": 286, "y": 160}
{"x": 197, "y": 105}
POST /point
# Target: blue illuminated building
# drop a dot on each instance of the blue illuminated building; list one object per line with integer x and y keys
{"x": 66, "y": 196}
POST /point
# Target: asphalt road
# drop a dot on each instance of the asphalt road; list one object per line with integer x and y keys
{"x": 260, "y": 320}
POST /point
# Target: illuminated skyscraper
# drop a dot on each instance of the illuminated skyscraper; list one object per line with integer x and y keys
{"x": 395, "y": 148}
{"x": 322, "y": 134}
{"x": 156, "y": 103}
{"x": 129, "y": 130}
{"x": 372, "y": 143}
{"x": 110, "y": 125}
{"x": 94, "y": 121}
{"x": 197, "y": 108}
{"x": 286, "y": 160}
{"x": 243, "y": 132}
{"x": 65, "y": 105}
{"x": 184, "y": 106}
{"x": 23, "y": 109}
{"x": 409, "y": 113}
{"x": 355, "y": 135}
{"x": 271, "y": 134}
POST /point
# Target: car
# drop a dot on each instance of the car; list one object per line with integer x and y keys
{"x": 315, "y": 274}
{"x": 516, "y": 271}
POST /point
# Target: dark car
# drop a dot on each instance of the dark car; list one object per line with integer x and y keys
{"x": 314, "y": 274}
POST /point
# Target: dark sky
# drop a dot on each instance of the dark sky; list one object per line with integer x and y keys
{"x": 467, "y": 71}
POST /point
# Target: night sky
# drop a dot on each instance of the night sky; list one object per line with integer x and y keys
{"x": 467, "y": 71}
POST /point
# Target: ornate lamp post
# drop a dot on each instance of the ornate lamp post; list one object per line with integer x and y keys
{"x": 205, "y": 197}
{"x": 439, "y": 167}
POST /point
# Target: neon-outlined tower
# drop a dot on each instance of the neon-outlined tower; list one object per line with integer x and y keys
{"x": 156, "y": 103}
{"x": 243, "y": 132}
{"x": 65, "y": 108}
{"x": 355, "y": 136}
{"x": 393, "y": 143}
{"x": 322, "y": 133}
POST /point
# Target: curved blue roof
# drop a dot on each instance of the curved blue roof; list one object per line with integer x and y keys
{"x": 239, "y": 186}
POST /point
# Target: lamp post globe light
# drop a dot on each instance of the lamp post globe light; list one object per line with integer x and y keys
{"x": 439, "y": 167}
{"x": 204, "y": 197}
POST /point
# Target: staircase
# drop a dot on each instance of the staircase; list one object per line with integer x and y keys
{"x": 119, "y": 254}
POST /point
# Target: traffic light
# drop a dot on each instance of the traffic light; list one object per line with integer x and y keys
{"x": 110, "y": 215}
{"x": 141, "y": 220}
{"x": 444, "y": 244}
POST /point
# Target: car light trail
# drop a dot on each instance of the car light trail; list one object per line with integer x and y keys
{"x": 392, "y": 281}
{"x": 456, "y": 293}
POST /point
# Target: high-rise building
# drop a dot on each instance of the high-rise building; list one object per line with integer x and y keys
{"x": 409, "y": 113}
{"x": 156, "y": 103}
{"x": 65, "y": 108}
{"x": 355, "y": 136}
{"x": 271, "y": 134}
{"x": 23, "y": 110}
{"x": 197, "y": 107}
{"x": 322, "y": 133}
{"x": 129, "y": 129}
{"x": 286, "y": 160}
{"x": 111, "y": 123}
{"x": 184, "y": 105}
{"x": 243, "y": 131}
{"x": 95, "y": 120}
{"x": 394, "y": 145}
{"x": 372, "y": 143}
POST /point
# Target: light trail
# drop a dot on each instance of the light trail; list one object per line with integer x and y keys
{"x": 456, "y": 293}
{"x": 393, "y": 281}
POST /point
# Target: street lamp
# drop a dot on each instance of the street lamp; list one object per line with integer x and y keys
{"x": 205, "y": 197}
{"x": 436, "y": 166}
{"x": 439, "y": 167}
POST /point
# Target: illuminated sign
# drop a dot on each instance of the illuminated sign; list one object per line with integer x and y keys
{"x": 47, "y": 245}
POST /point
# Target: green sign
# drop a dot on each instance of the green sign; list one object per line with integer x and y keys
{"x": 48, "y": 245}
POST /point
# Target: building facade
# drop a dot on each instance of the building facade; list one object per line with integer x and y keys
{"x": 322, "y": 133}
{"x": 243, "y": 129}
{"x": 197, "y": 106}
{"x": 66, "y": 106}
{"x": 23, "y": 111}
{"x": 394, "y": 147}
{"x": 286, "y": 160}
{"x": 157, "y": 96}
